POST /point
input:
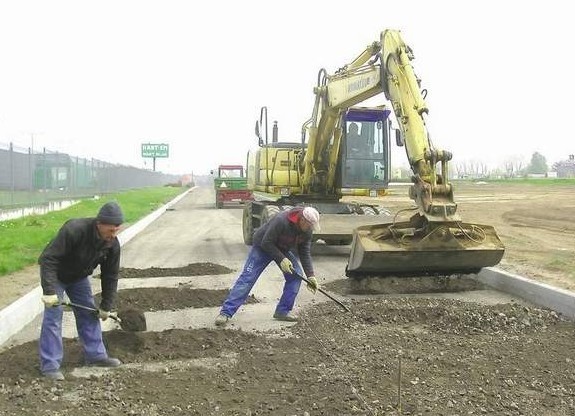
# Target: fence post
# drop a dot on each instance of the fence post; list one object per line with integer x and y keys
{"x": 12, "y": 188}
{"x": 31, "y": 169}
{"x": 45, "y": 174}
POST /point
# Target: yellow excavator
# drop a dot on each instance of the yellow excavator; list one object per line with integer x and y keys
{"x": 344, "y": 151}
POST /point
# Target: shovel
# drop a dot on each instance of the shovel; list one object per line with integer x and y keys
{"x": 88, "y": 308}
{"x": 134, "y": 320}
{"x": 305, "y": 279}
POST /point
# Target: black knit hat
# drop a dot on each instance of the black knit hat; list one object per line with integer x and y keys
{"x": 110, "y": 213}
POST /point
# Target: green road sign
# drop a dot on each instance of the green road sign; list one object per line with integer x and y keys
{"x": 155, "y": 150}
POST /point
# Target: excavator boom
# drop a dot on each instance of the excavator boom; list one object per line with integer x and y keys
{"x": 434, "y": 240}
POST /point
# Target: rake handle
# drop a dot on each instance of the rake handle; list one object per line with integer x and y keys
{"x": 324, "y": 293}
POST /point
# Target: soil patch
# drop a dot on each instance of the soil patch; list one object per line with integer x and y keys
{"x": 193, "y": 269}
{"x": 171, "y": 299}
{"x": 404, "y": 285}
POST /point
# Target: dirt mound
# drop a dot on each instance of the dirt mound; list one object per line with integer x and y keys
{"x": 166, "y": 298}
{"x": 193, "y": 269}
{"x": 404, "y": 285}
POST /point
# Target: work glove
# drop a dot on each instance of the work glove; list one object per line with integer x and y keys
{"x": 50, "y": 300}
{"x": 103, "y": 315}
{"x": 313, "y": 285}
{"x": 287, "y": 266}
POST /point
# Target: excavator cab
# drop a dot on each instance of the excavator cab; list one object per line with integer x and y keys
{"x": 365, "y": 151}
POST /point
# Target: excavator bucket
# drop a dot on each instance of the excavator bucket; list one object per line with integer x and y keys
{"x": 402, "y": 249}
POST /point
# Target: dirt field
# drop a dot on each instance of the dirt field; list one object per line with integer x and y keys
{"x": 537, "y": 228}
{"x": 395, "y": 355}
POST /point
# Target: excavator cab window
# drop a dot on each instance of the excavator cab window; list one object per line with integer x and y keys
{"x": 366, "y": 153}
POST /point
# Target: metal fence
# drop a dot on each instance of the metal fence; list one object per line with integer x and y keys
{"x": 29, "y": 177}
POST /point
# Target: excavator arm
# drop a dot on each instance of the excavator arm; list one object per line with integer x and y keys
{"x": 434, "y": 240}
{"x": 431, "y": 190}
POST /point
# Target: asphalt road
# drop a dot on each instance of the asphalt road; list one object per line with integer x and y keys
{"x": 194, "y": 231}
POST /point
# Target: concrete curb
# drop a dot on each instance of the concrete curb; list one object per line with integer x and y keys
{"x": 21, "y": 312}
{"x": 541, "y": 294}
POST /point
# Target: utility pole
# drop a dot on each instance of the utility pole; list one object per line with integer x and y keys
{"x": 32, "y": 137}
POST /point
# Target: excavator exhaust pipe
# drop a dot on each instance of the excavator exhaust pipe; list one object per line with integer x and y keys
{"x": 399, "y": 249}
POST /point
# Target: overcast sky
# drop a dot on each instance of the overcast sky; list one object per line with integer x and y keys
{"x": 97, "y": 79}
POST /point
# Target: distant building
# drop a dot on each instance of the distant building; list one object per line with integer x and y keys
{"x": 566, "y": 168}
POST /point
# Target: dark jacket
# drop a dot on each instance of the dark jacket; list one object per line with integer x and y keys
{"x": 74, "y": 253}
{"x": 282, "y": 234}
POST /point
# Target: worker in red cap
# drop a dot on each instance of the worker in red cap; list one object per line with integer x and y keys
{"x": 285, "y": 239}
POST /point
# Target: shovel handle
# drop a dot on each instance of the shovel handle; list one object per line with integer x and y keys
{"x": 324, "y": 292}
{"x": 88, "y": 308}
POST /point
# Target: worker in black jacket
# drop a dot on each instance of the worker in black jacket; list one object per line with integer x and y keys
{"x": 66, "y": 264}
{"x": 285, "y": 239}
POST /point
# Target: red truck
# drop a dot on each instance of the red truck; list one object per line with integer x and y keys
{"x": 231, "y": 185}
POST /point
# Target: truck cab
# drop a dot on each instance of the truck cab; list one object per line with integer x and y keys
{"x": 230, "y": 184}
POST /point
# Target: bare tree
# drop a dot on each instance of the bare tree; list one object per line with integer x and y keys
{"x": 513, "y": 166}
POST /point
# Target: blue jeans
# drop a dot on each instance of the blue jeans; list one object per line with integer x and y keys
{"x": 255, "y": 264}
{"x": 51, "y": 346}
